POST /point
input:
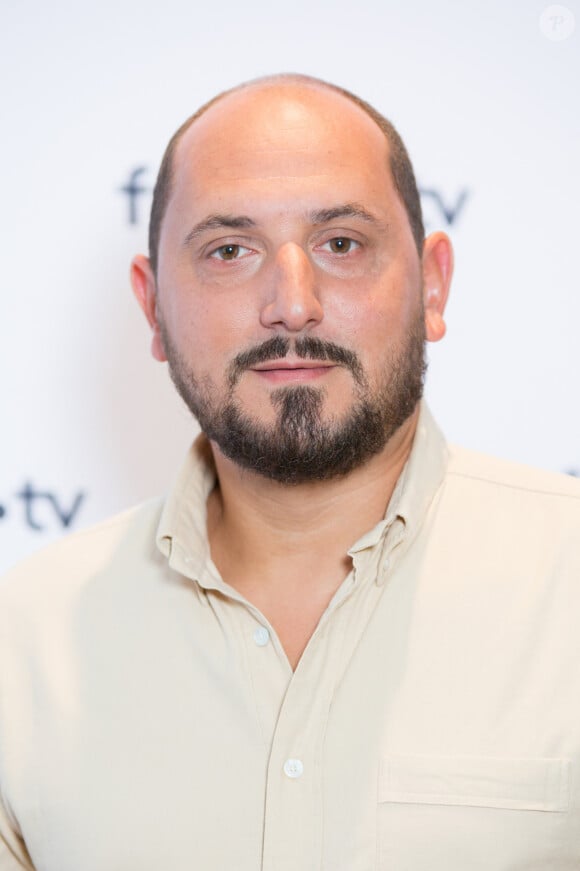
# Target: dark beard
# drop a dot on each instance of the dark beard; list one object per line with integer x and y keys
{"x": 299, "y": 447}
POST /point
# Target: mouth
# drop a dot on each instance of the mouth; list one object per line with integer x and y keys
{"x": 293, "y": 371}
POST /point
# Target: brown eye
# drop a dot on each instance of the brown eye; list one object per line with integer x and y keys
{"x": 228, "y": 252}
{"x": 340, "y": 245}
{"x": 231, "y": 251}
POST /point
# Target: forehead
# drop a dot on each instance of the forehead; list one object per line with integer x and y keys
{"x": 275, "y": 142}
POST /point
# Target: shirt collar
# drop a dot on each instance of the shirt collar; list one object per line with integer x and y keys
{"x": 182, "y": 531}
{"x": 423, "y": 473}
{"x": 415, "y": 489}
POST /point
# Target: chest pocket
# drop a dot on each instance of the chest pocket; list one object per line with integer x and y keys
{"x": 482, "y": 813}
{"x": 493, "y": 782}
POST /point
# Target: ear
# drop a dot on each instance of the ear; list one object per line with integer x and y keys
{"x": 437, "y": 264}
{"x": 145, "y": 290}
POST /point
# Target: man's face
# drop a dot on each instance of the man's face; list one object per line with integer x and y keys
{"x": 289, "y": 288}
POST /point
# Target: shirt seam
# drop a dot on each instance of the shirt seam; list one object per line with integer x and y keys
{"x": 521, "y": 487}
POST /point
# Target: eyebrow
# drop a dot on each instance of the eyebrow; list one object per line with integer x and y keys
{"x": 345, "y": 210}
{"x": 218, "y": 222}
{"x": 320, "y": 216}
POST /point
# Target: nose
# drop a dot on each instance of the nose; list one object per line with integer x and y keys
{"x": 292, "y": 299}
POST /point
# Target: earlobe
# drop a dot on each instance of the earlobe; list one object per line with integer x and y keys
{"x": 437, "y": 271}
{"x": 145, "y": 290}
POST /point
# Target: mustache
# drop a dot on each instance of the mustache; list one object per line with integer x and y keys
{"x": 306, "y": 348}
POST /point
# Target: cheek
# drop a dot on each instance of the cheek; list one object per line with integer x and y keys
{"x": 387, "y": 299}
{"x": 374, "y": 322}
{"x": 193, "y": 318}
{"x": 363, "y": 319}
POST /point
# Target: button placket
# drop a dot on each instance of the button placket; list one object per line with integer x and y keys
{"x": 268, "y": 672}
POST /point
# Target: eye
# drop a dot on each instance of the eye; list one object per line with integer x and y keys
{"x": 341, "y": 245}
{"x": 229, "y": 252}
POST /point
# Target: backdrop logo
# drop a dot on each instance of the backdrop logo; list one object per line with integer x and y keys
{"x": 439, "y": 207}
{"x": 133, "y": 191}
{"x": 43, "y": 510}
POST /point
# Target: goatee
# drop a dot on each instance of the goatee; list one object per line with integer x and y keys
{"x": 300, "y": 446}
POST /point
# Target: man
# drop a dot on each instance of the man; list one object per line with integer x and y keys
{"x": 338, "y": 644}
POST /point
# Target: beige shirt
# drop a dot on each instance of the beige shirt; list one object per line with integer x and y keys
{"x": 149, "y": 718}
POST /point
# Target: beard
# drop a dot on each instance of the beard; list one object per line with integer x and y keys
{"x": 300, "y": 446}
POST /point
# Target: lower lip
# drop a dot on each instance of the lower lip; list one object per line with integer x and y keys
{"x": 293, "y": 376}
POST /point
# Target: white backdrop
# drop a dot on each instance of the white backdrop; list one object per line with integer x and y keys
{"x": 485, "y": 95}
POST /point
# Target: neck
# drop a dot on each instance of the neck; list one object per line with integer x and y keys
{"x": 256, "y": 522}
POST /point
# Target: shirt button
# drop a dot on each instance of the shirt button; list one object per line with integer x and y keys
{"x": 293, "y": 768}
{"x": 261, "y": 636}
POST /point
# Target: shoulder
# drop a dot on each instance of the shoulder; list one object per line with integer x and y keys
{"x": 535, "y": 510}
{"x": 68, "y": 564}
{"x": 487, "y": 472}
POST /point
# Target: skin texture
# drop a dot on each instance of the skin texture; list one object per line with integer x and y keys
{"x": 278, "y": 156}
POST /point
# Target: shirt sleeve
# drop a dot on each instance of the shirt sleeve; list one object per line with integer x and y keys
{"x": 13, "y": 853}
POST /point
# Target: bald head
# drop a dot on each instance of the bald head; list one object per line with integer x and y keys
{"x": 285, "y": 101}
